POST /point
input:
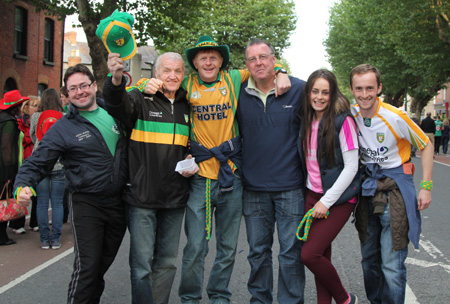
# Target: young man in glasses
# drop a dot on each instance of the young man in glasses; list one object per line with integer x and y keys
{"x": 92, "y": 149}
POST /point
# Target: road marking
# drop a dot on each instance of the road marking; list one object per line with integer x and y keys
{"x": 432, "y": 250}
{"x": 35, "y": 270}
{"x": 426, "y": 264}
{"x": 410, "y": 298}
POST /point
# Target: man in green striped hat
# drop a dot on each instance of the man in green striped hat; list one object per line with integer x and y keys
{"x": 156, "y": 194}
{"x": 216, "y": 191}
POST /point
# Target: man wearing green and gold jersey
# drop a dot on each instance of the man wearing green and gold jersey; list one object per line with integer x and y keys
{"x": 216, "y": 191}
{"x": 156, "y": 194}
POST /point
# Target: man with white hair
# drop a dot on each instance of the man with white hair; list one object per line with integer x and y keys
{"x": 156, "y": 194}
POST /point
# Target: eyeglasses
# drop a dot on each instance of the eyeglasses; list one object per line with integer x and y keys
{"x": 83, "y": 87}
{"x": 263, "y": 57}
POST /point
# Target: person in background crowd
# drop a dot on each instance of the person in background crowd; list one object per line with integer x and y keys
{"x": 92, "y": 148}
{"x": 64, "y": 97}
{"x": 384, "y": 135}
{"x": 328, "y": 147}
{"x": 29, "y": 107}
{"x": 9, "y": 155}
{"x": 445, "y": 135}
{"x": 429, "y": 127}
{"x": 51, "y": 187}
{"x": 156, "y": 194}
{"x": 437, "y": 135}
{"x": 271, "y": 176}
{"x": 414, "y": 149}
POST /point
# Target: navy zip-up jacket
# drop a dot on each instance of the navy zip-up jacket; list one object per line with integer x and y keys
{"x": 89, "y": 165}
{"x": 270, "y": 160}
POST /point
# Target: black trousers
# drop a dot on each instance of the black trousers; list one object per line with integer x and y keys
{"x": 98, "y": 226}
{"x": 437, "y": 143}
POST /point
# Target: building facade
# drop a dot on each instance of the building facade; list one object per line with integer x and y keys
{"x": 31, "y": 52}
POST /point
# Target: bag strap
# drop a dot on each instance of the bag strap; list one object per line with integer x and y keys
{"x": 5, "y": 187}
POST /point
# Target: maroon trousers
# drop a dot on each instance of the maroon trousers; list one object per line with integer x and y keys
{"x": 316, "y": 251}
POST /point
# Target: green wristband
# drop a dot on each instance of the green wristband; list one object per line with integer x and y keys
{"x": 427, "y": 185}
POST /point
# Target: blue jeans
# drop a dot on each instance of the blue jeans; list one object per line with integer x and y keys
{"x": 227, "y": 211}
{"x": 445, "y": 144}
{"x": 384, "y": 269}
{"x": 51, "y": 187}
{"x": 261, "y": 211}
{"x": 154, "y": 238}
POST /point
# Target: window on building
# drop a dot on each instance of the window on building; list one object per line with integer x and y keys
{"x": 48, "y": 39}
{"x": 20, "y": 31}
{"x": 41, "y": 88}
{"x": 10, "y": 84}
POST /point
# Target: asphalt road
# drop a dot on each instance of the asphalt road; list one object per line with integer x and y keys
{"x": 29, "y": 274}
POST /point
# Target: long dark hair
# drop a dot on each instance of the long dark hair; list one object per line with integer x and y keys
{"x": 50, "y": 101}
{"x": 338, "y": 104}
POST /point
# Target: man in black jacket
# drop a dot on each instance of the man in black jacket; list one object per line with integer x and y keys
{"x": 156, "y": 194}
{"x": 428, "y": 127}
{"x": 93, "y": 151}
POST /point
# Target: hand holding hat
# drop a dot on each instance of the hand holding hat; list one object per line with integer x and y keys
{"x": 116, "y": 33}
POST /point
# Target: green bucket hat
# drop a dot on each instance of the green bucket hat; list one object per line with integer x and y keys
{"x": 116, "y": 33}
{"x": 206, "y": 43}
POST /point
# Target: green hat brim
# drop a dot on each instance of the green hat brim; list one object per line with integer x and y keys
{"x": 224, "y": 50}
{"x": 126, "y": 50}
{"x": 116, "y": 34}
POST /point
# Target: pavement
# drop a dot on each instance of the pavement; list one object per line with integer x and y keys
{"x": 18, "y": 259}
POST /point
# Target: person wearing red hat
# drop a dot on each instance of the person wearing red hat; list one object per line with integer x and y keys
{"x": 9, "y": 156}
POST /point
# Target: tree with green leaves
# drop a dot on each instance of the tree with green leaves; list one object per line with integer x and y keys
{"x": 404, "y": 39}
{"x": 175, "y": 25}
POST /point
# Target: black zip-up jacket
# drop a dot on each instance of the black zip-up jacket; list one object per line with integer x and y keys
{"x": 89, "y": 166}
{"x": 158, "y": 140}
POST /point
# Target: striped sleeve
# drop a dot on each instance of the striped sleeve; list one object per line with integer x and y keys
{"x": 347, "y": 136}
{"x": 410, "y": 130}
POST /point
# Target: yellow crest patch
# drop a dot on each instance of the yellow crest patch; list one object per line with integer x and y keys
{"x": 120, "y": 41}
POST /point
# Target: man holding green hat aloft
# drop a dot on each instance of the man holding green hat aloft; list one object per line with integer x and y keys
{"x": 215, "y": 143}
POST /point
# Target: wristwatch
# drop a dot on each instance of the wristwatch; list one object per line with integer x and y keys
{"x": 280, "y": 71}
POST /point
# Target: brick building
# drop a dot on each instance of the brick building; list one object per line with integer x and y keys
{"x": 31, "y": 49}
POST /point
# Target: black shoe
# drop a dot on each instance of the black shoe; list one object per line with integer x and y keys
{"x": 353, "y": 299}
{"x": 8, "y": 242}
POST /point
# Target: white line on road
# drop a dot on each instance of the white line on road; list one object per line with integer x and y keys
{"x": 35, "y": 270}
{"x": 410, "y": 298}
{"x": 432, "y": 250}
{"x": 426, "y": 264}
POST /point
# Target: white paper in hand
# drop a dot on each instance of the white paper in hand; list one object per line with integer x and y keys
{"x": 185, "y": 165}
